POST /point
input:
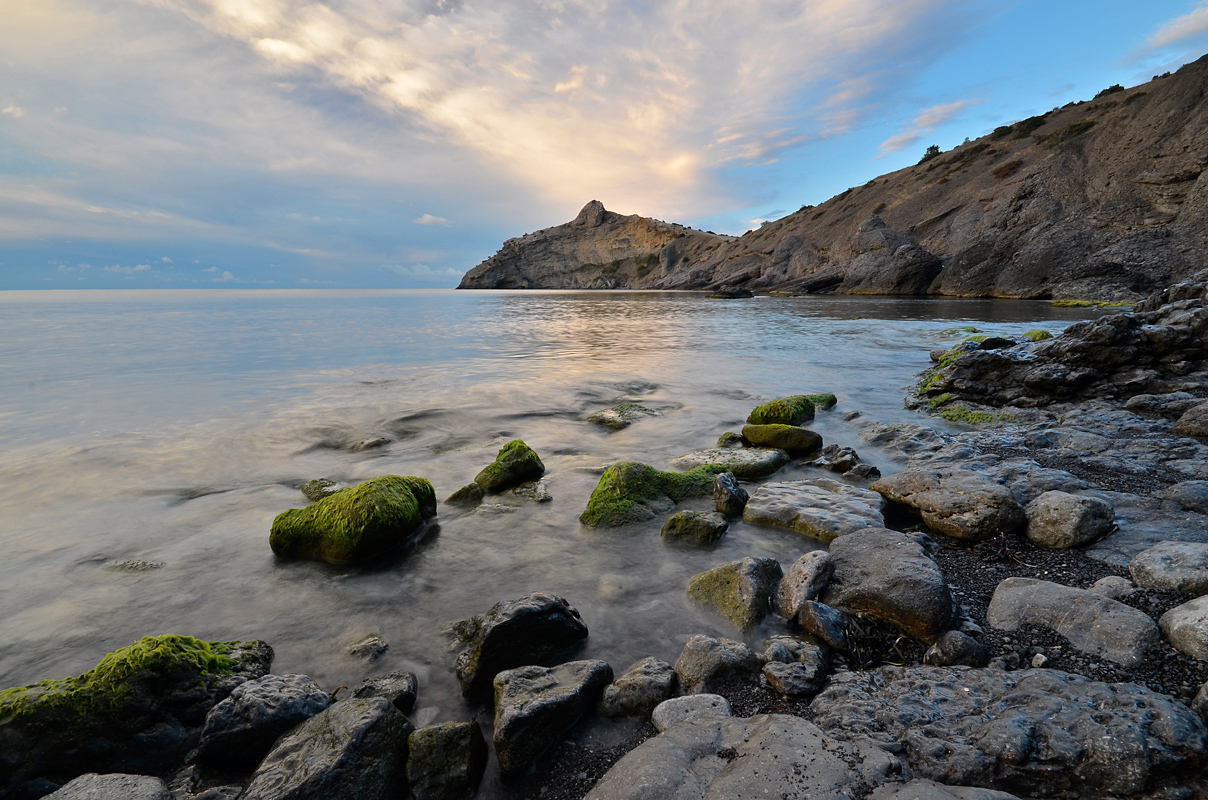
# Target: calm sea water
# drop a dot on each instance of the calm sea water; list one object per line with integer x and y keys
{"x": 173, "y": 426}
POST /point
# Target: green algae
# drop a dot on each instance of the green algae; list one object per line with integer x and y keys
{"x": 958, "y": 412}
{"x": 792, "y": 410}
{"x": 1092, "y": 304}
{"x": 353, "y": 524}
{"x": 624, "y": 487}
{"x": 823, "y": 400}
{"x": 515, "y": 464}
{"x": 1037, "y": 335}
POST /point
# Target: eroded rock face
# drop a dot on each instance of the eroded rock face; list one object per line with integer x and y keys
{"x": 242, "y": 728}
{"x": 819, "y": 507}
{"x": 1038, "y": 733}
{"x": 739, "y": 591}
{"x": 957, "y": 503}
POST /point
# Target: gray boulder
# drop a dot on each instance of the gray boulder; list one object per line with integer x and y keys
{"x": 820, "y": 507}
{"x": 635, "y": 694}
{"x": 955, "y": 649}
{"x": 354, "y": 750}
{"x": 825, "y": 623}
{"x": 1113, "y": 586}
{"x": 888, "y": 576}
{"x": 1181, "y": 566}
{"x": 679, "y": 710}
{"x": 515, "y": 633}
{"x": 1093, "y": 623}
{"x": 1194, "y": 421}
{"x": 397, "y": 687}
{"x": 739, "y": 591}
{"x": 114, "y": 786}
{"x": 241, "y": 729}
{"x": 728, "y": 497}
{"x": 1186, "y": 627}
{"x": 1191, "y": 495}
{"x": 534, "y": 706}
{"x": 1035, "y": 732}
{"x": 695, "y": 528}
{"x": 923, "y": 789}
{"x": 1059, "y": 520}
{"x": 446, "y": 761}
{"x": 749, "y": 462}
{"x": 726, "y": 758}
{"x": 803, "y": 581}
{"x": 956, "y": 503}
{"x": 804, "y": 676}
{"x": 707, "y": 663}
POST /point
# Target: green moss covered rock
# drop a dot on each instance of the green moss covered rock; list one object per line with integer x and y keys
{"x": 693, "y": 527}
{"x": 1037, "y": 335}
{"x": 793, "y": 410}
{"x": 515, "y": 464}
{"x": 469, "y": 495}
{"x": 784, "y": 437}
{"x": 630, "y": 491}
{"x": 357, "y": 523}
{"x": 739, "y": 591}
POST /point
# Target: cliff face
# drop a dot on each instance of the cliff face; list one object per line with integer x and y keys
{"x": 1104, "y": 199}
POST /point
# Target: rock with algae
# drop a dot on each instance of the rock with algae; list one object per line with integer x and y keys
{"x": 792, "y": 410}
{"x": 516, "y": 463}
{"x": 630, "y": 491}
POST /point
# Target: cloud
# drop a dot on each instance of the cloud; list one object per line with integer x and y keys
{"x": 926, "y": 122}
{"x": 209, "y": 269}
{"x": 128, "y": 271}
{"x": 1179, "y": 30}
{"x": 14, "y": 110}
{"x": 428, "y": 219}
{"x": 165, "y": 259}
{"x": 422, "y": 272}
{"x": 226, "y": 277}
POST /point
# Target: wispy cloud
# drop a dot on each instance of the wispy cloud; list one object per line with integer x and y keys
{"x": 926, "y": 122}
{"x": 128, "y": 271}
{"x": 16, "y": 111}
{"x": 1179, "y": 30}
{"x": 428, "y": 219}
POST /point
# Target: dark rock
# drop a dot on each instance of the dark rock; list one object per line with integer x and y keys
{"x": 802, "y": 677}
{"x": 469, "y": 495}
{"x": 819, "y": 507}
{"x": 837, "y": 459}
{"x": 241, "y": 729}
{"x": 516, "y": 463}
{"x": 707, "y": 664}
{"x": 805, "y": 580}
{"x": 739, "y": 591}
{"x": 680, "y": 710}
{"x": 113, "y": 787}
{"x": 731, "y": 439}
{"x": 693, "y": 527}
{"x": 826, "y": 623}
{"x": 956, "y": 649}
{"x": 790, "y": 438}
{"x": 1059, "y": 520}
{"x": 354, "y": 750}
{"x": 397, "y": 687}
{"x": 516, "y": 633}
{"x": 635, "y": 694}
{"x": 862, "y": 472}
{"x": 1170, "y": 405}
{"x": 446, "y": 761}
{"x": 1199, "y": 704}
{"x": 957, "y": 503}
{"x": 995, "y": 343}
{"x": 534, "y": 706}
{"x": 728, "y": 292}
{"x": 728, "y": 497}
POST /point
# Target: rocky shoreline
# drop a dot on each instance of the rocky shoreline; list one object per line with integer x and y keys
{"x": 1016, "y": 609}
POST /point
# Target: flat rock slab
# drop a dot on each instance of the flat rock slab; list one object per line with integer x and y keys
{"x": 1034, "y": 732}
{"x": 679, "y": 710}
{"x": 956, "y": 503}
{"x": 923, "y": 789}
{"x": 114, "y": 786}
{"x": 1093, "y": 623}
{"x": 622, "y": 416}
{"x": 770, "y": 755}
{"x": 749, "y": 462}
{"x": 1181, "y": 566}
{"x": 1186, "y": 627}
{"x": 1191, "y": 495}
{"x": 822, "y": 508}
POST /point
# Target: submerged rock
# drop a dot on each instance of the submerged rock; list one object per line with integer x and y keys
{"x": 632, "y": 492}
{"x": 707, "y": 664}
{"x": 1059, "y": 520}
{"x": 739, "y": 591}
{"x": 728, "y": 497}
{"x": 516, "y": 463}
{"x": 749, "y": 462}
{"x": 957, "y": 503}
{"x": 446, "y": 761}
{"x": 790, "y": 438}
{"x": 241, "y": 729}
{"x": 693, "y": 527}
{"x": 1177, "y": 566}
{"x": 371, "y": 648}
{"x": 469, "y": 495}
{"x": 820, "y": 507}
{"x": 319, "y": 488}
{"x": 356, "y": 524}
{"x": 635, "y": 694}
{"x": 622, "y": 416}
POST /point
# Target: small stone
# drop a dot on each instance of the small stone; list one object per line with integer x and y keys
{"x": 1199, "y": 703}
{"x": 1059, "y": 520}
{"x": 693, "y": 527}
{"x": 679, "y": 710}
{"x": 805, "y": 580}
{"x": 837, "y": 459}
{"x": 955, "y": 648}
{"x": 796, "y": 679}
{"x": 636, "y": 693}
{"x": 370, "y": 444}
{"x": 371, "y": 648}
{"x": 826, "y": 623}
{"x": 319, "y": 488}
{"x": 537, "y": 491}
{"x": 707, "y": 663}
{"x": 728, "y": 497}
{"x": 731, "y": 439}
{"x": 862, "y": 472}
{"x": 1039, "y": 660}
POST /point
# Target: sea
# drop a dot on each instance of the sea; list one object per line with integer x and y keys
{"x": 171, "y": 427}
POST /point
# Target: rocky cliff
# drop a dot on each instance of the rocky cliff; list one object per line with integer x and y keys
{"x": 1103, "y": 199}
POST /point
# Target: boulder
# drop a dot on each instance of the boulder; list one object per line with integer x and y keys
{"x": 820, "y": 507}
{"x": 1170, "y": 405}
{"x": 748, "y": 462}
{"x": 1191, "y": 495}
{"x": 358, "y": 523}
{"x": 888, "y": 576}
{"x": 139, "y": 711}
{"x": 725, "y": 758}
{"x": 728, "y": 497}
{"x": 1193, "y": 422}
{"x": 1180, "y": 566}
{"x": 635, "y": 694}
{"x": 1093, "y": 623}
{"x": 622, "y": 416}
{"x": 693, "y": 527}
{"x": 923, "y": 789}
{"x": 956, "y": 503}
{"x": 792, "y": 439}
{"x": 241, "y": 729}
{"x": 1035, "y": 732}
{"x": 469, "y": 495}
{"x": 1186, "y": 627}
{"x": 632, "y": 492}
{"x": 1113, "y": 586}
{"x": 707, "y": 664}
{"x": 804, "y": 580}
{"x": 515, "y": 633}
{"x": 354, "y": 750}
{"x": 446, "y": 761}
{"x": 679, "y": 710}
{"x": 397, "y": 687}
{"x": 793, "y": 410}
{"x": 113, "y": 787}
{"x": 534, "y": 706}
{"x": 1059, "y": 520}
{"x": 955, "y": 649}
{"x": 515, "y": 464}
{"x": 825, "y": 623}
{"x": 739, "y": 591}
{"x": 803, "y": 677}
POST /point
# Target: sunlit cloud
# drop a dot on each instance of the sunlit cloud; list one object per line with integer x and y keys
{"x": 926, "y": 122}
{"x": 14, "y": 111}
{"x": 1179, "y": 30}
{"x": 428, "y": 219}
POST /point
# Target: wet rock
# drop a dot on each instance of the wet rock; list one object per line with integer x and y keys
{"x": 1113, "y": 586}
{"x": 319, "y": 488}
{"x": 922, "y": 789}
{"x": 1039, "y": 733}
{"x": 956, "y": 503}
{"x": 693, "y": 527}
{"x": 805, "y": 580}
{"x": 1186, "y": 627}
{"x": 534, "y": 706}
{"x": 749, "y": 462}
{"x": 241, "y": 729}
{"x": 446, "y": 761}
{"x": 356, "y": 524}
{"x": 1059, "y": 520}
{"x": 680, "y": 710}
{"x": 819, "y": 507}
{"x": 826, "y": 623}
{"x": 956, "y": 649}
{"x": 622, "y": 416}
{"x": 397, "y": 687}
{"x": 995, "y": 343}
{"x": 729, "y": 292}
{"x": 720, "y": 758}
{"x": 630, "y": 492}
{"x": 635, "y": 694}
{"x": 888, "y": 576}
{"x": 794, "y": 410}
{"x": 1193, "y": 422}
{"x": 469, "y": 495}
{"x": 515, "y": 633}
{"x": 537, "y": 491}
{"x": 113, "y": 787}
{"x": 515, "y": 464}
{"x": 1179, "y": 566}
{"x": 731, "y": 439}
{"x": 370, "y": 444}
{"x": 1191, "y": 495}
{"x": 837, "y": 459}
{"x": 1093, "y": 623}
{"x": 728, "y": 497}
{"x": 707, "y": 663}
{"x": 862, "y": 472}
{"x": 371, "y": 648}
{"x": 739, "y": 591}
{"x": 134, "y": 565}
{"x": 792, "y": 439}
{"x": 354, "y": 750}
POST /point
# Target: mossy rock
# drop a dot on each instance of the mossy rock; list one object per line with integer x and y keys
{"x": 469, "y": 495}
{"x": 357, "y": 523}
{"x": 693, "y": 527}
{"x": 516, "y": 463}
{"x": 1037, "y": 335}
{"x": 731, "y": 439}
{"x": 739, "y": 591}
{"x": 791, "y": 438}
{"x": 793, "y": 410}
{"x": 630, "y": 491}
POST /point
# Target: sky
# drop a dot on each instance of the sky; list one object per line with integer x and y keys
{"x": 397, "y": 143}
